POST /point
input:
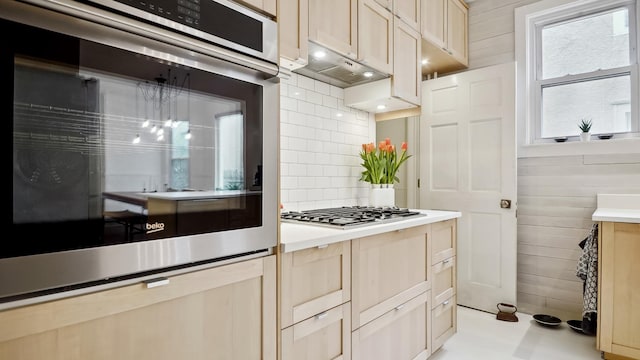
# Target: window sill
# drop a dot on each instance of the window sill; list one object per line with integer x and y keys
{"x": 570, "y": 148}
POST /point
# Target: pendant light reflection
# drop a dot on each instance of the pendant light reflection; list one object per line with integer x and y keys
{"x": 145, "y": 124}
{"x": 136, "y": 140}
{"x": 188, "y": 135}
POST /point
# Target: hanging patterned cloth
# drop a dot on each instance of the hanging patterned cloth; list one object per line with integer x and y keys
{"x": 587, "y": 270}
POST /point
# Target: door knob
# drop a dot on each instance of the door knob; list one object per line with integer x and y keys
{"x": 505, "y": 204}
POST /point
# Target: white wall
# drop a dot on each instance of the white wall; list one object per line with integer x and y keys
{"x": 556, "y": 195}
{"x": 320, "y": 142}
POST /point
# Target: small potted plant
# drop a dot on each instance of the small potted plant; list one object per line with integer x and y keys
{"x": 380, "y": 167}
{"x": 585, "y": 127}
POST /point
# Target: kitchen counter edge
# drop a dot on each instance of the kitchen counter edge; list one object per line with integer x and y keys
{"x": 294, "y": 237}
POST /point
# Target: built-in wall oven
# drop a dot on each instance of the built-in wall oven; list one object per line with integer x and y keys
{"x": 143, "y": 137}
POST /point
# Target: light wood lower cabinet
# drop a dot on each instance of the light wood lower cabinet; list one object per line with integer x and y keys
{"x": 326, "y": 335}
{"x": 387, "y": 270}
{"x": 443, "y": 322}
{"x": 619, "y": 289}
{"x": 401, "y": 333}
{"x": 369, "y": 298}
{"x": 225, "y": 312}
{"x": 315, "y": 312}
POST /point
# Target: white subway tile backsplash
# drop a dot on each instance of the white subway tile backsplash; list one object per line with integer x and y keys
{"x": 287, "y": 103}
{"x": 329, "y": 124}
{"x": 323, "y": 88}
{"x": 322, "y": 111}
{"x": 306, "y": 82}
{"x": 330, "y": 101}
{"x": 306, "y": 107}
{"x": 314, "y": 97}
{"x": 320, "y": 162}
{"x": 337, "y": 93}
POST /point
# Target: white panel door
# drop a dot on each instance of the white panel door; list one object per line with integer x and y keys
{"x": 468, "y": 164}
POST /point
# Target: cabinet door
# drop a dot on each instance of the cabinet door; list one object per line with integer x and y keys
{"x": 403, "y": 333}
{"x": 326, "y": 336}
{"x": 225, "y": 312}
{"x": 387, "y": 270}
{"x": 375, "y": 36}
{"x": 314, "y": 280}
{"x": 409, "y": 12}
{"x": 407, "y": 75}
{"x": 334, "y": 24}
{"x": 443, "y": 322}
{"x": 443, "y": 285}
{"x": 619, "y": 289}
{"x": 443, "y": 240}
{"x": 267, "y": 6}
{"x": 293, "y": 31}
{"x": 433, "y": 21}
{"x": 457, "y": 31}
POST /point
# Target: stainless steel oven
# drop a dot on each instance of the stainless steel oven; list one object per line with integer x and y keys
{"x": 142, "y": 139}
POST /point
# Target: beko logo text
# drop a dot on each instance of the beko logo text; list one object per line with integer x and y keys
{"x": 151, "y": 228}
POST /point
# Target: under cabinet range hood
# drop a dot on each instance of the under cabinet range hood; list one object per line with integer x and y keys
{"x": 338, "y": 70}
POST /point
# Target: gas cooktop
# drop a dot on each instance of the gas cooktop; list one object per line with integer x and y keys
{"x": 348, "y": 217}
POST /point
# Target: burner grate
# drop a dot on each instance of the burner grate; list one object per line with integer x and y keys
{"x": 348, "y": 216}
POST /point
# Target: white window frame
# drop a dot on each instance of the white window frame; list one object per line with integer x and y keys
{"x": 529, "y": 21}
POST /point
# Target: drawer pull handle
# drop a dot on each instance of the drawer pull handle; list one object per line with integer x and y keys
{"x": 445, "y": 303}
{"x": 322, "y": 315}
{"x": 151, "y": 283}
{"x": 399, "y": 307}
{"x": 323, "y": 246}
{"x": 445, "y": 262}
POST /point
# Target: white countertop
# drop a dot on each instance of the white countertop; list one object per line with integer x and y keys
{"x": 300, "y": 236}
{"x": 618, "y": 208}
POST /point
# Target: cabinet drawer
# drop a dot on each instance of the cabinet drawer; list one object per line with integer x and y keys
{"x": 324, "y": 336}
{"x": 444, "y": 322}
{"x": 314, "y": 280}
{"x": 388, "y": 270}
{"x": 443, "y": 284}
{"x": 443, "y": 240}
{"x": 402, "y": 333}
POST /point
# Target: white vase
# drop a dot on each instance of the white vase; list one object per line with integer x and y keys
{"x": 585, "y": 136}
{"x": 382, "y": 195}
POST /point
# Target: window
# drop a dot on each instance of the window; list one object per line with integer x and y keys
{"x": 581, "y": 62}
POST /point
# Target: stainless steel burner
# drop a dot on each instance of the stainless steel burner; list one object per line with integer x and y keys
{"x": 348, "y": 217}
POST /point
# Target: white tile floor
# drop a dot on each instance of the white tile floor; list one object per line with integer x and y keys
{"x": 480, "y": 336}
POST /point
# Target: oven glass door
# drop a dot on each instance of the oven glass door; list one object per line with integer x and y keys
{"x": 113, "y": 147}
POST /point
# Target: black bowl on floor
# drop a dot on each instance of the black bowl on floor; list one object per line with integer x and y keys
{"x": 576, "y": 325}
{"x": 547, "y": 320}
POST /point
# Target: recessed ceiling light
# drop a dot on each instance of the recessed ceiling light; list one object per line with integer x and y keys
{"x": 425, "y": 61}
{"x": 367, "y": 74}
{"x": 339, "y": 115}
{"x": 381, "y": 107}
{"x": 319, "y": 54}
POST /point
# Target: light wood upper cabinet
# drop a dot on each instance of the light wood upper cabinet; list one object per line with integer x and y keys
{"x": 407, "y": 79}
{"x": 375, "y": 36}
{"x": 408, "y": 11}
{"x": 619, "y": 289}
{"x": 293, "y": 32}
{"x": 266, "y": 6}
{"x": 225, "y": 312}
{"x": 334, "y": 24}
{"x": 457, "y": 30}
{"x": 444, "y": 25}
{"x": 433, "y": 23}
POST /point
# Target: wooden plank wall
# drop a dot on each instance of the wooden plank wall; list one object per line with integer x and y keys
{"x": 556, "y": 198}
{"x": 556, "y": 195}
{"x": 491, "y": 31}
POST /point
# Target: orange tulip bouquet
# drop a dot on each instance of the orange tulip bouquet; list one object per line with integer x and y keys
{"x": 382, "y": 163}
